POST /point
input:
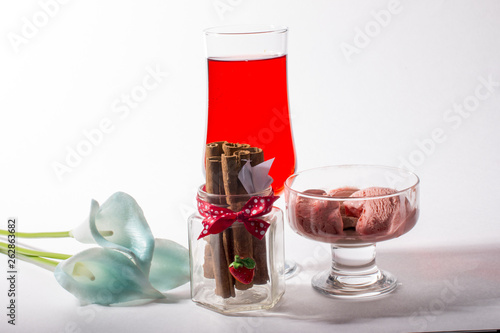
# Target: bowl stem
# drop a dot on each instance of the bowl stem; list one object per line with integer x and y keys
{"x": 354, "y": 274}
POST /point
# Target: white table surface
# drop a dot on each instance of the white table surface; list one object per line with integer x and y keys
{"x": 441, "y": 288}
{"x": 379, "y": 105}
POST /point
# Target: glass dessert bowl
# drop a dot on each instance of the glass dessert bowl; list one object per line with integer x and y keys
{"x": 352, "y": 207}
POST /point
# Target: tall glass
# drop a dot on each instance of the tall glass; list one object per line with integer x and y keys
{"x": 248, "y": 94}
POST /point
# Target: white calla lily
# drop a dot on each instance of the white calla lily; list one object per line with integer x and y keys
{"x": 104, "y": 276}
{"x": 119, "y": 223}
{"x": 170, "y": 265}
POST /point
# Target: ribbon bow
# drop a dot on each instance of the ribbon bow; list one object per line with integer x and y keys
{"x": 218, "y": 219}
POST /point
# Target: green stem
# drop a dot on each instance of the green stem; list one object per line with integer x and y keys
{"x": 57, "y": 234}
{"x": 33, "y": 253}
{"x": 42, "y": 262}
{"x": 39, "y": 260}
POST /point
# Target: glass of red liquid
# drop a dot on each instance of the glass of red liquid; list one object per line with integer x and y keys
{"x": 248, "y": 94}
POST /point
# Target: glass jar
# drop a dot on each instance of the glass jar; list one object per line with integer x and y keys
{"x": 212, "y": 284}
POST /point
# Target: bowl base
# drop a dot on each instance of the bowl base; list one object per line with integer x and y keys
{"x": 354, "y": 287}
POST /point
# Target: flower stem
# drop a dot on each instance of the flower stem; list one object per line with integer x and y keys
{"x": 33, "y": 253}
{"x": 57, "y": 234}
{"x": 42, "y": 262}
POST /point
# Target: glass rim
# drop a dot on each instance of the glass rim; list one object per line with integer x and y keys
{"x": 246, "y": 29}
{"x": 323, "y": 197}
{"x": 268, "y": 191}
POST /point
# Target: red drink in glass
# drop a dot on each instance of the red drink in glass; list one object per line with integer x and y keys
{"x": 248, "y": 103}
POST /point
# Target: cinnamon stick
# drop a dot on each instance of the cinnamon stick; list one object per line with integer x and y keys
{"x": 231, "y": 166}
{"x": 242, "y": 247}
{"x": 260, "y": 257}
{"x": 223, "y": 280}
{"x": 259, "y": 246}
{"x": 243, "y": 157}
{"x": 213, "y": 178}
{"x": 229, "y": 255}
{"x": 230, "y": 170}
{"x": 215, "y": 182}
{"x": 219, "y": 243}
{"x": 214, "y": 149}
{"x": 230, "y": 148}
{"x": 256, "y": 155}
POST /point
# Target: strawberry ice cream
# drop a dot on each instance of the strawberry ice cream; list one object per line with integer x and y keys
{"x": 317, "y": 217}
{"x": 344, "y": 192}
{"x": 333, "y": 217}
{"x": 376, "y": 216}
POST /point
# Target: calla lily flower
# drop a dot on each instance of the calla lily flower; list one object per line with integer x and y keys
{"x": 109, "y": 277}
{"x": 119, "y": 224}
{"x": 170, "y": 265}
{"x": 131, "y": 267}
{"x": 105, "y": 276}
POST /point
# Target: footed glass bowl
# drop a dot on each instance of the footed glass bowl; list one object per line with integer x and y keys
{"x": 352, "y": 207}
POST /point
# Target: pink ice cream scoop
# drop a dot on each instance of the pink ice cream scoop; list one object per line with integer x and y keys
{"x": 344, "y": 192}
{"x": 376, "y": 216}
{"x": 318, "y": 217}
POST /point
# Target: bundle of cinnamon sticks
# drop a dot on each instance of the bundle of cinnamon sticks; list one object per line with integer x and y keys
{"x": 224, "y": 161}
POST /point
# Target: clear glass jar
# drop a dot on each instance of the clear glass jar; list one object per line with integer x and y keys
{"x": 212, "y": 285}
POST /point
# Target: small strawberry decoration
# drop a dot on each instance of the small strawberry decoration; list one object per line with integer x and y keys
{"x": 243, "y": 269}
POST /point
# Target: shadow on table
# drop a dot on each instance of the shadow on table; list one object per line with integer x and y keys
{"x": 432, "y": 282}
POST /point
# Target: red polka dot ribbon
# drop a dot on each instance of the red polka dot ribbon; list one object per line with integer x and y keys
{"x": 218, "y": 219}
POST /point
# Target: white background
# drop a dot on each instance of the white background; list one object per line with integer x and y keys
{"x": 378, "y": 105}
